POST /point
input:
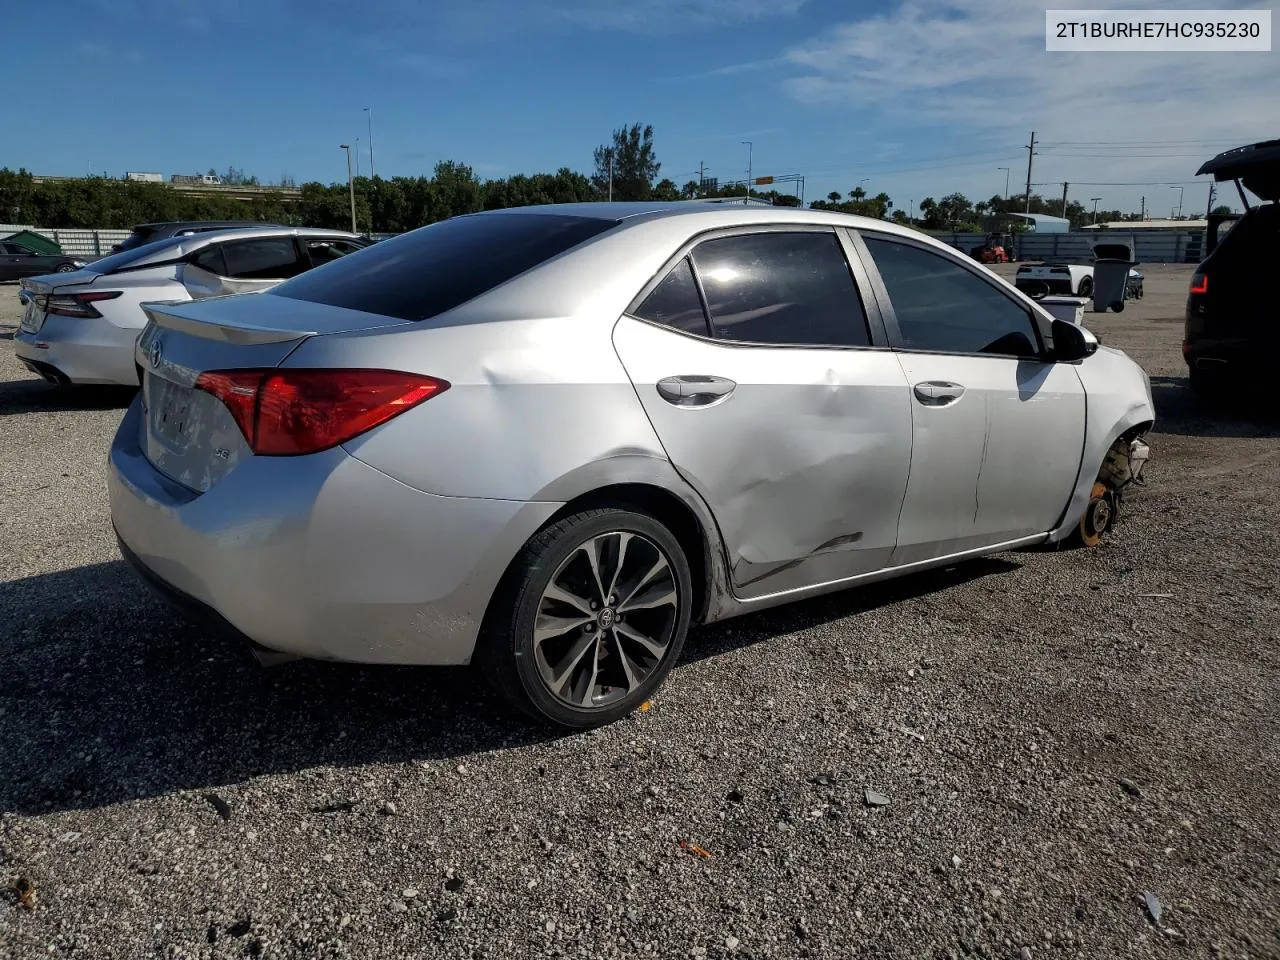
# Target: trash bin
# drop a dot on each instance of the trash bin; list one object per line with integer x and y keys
{"x": 1111, "y": 265}
{"x": 1070, "y": 309}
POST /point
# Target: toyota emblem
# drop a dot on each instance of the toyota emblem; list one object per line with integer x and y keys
{"x": 155, "y": 353}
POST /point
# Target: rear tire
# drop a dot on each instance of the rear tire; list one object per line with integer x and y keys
{"x": 1086, "y": 287}
{"x": 554, "y": 646}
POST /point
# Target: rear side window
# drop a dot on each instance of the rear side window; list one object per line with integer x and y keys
{"x": 675, "y": 303}
{"x": 781, "y": 288}
{"x": 424, "y": 273}
{"x": 262, "y": 258}
{"x": 942, "y": 307}
{"x": 210, "y": 259}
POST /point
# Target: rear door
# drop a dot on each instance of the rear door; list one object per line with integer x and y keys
{"x": 998, "y": 428}
{"x": 771, "y": 389}
{"x": 243, "y": 266}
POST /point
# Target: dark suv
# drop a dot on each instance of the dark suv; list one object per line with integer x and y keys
{"x": 150, "y": 232}
{"x": 1232, "y": 329}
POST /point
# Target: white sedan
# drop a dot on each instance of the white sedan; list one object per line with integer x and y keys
{"x": 80, "y": 327}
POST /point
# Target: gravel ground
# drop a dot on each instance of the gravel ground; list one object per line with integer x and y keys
{"x": 1056, "y": 733}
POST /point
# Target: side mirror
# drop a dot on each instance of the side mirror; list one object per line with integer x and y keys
{"x": 1071, "y": 342}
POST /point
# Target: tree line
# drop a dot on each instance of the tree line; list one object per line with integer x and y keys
{"x": 626, "y": 168}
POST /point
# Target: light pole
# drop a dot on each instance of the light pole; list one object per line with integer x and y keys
{"x": 746, "y": 199}
{"x": 357, "y": 158}
{"x": 1095, "y": 208}
{"x": 351, "y": 185}
{"x": 1180, "y": 191}
{"x": 373, "y": 171}
{"x": 1006, "y": 181}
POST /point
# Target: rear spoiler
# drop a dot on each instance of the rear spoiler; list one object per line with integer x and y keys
{"x": 172, "y": 316}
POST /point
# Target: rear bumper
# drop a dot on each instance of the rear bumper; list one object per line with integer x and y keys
{"x": 81, "y": 350}
{"x": 319, "y": 556}
{"x": 1051, "y": 286}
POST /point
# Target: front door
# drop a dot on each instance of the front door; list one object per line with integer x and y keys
{"x": 998, "y": 429}
{"x": 776, "y": 405}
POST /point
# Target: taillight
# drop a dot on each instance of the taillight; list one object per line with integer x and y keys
{"x": 76, "y": 304}
{"x": 1199, "y": 282}
{"x": 1060, "y": 270}
{"x": 290, "y": 412}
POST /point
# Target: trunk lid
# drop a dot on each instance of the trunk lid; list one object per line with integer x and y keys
{"x": 39, "y": 289}
{"x": 188, "y": 434}
{"x": 1256, "y": 165}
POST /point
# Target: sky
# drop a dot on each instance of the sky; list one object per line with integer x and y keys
{"x": 911, "y": 97}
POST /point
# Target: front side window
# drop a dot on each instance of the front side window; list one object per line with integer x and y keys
{"x": 781, "y": 288}
{"x": 942, "y": 307}
{"x": 262, "y": 258}
{"x": 675, "y": 303}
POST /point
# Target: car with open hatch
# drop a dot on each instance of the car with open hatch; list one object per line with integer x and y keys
{"x": 547, "y": 440}
{"x": 1230, "y": 335}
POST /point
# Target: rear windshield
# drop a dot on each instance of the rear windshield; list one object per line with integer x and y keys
{"x": 118, "y": 261}
{"x": 135, "y": 240}
{"x": 422, "y": 274}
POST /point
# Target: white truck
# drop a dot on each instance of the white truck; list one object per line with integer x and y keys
{"x": 143, "y": 177}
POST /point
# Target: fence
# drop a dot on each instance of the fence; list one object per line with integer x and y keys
{"x": 81, "y": 243}
{"x": 1184, "y": 246}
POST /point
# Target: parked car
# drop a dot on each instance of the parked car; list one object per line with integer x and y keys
{"x": 80, "y": 327}
{"x": 547, "y": 440}
{"x": 1067, "y": 279}
{"x": 145, "y": 233}
{"x": 1230, "y": 336}
{"x": 18, "y": 261}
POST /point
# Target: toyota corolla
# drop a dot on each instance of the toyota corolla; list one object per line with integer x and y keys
{"x": 548, "y": 440}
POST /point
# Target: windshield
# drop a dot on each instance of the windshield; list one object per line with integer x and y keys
{"x": 122, "y": 259}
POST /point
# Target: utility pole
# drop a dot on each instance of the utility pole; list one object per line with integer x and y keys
{"x": 351, "y": 185}
{"x": 1006, "y": 181}
{"x": 702, "y": 177}
{"x": 1031, "y": 152}
{"x": 357, "y": 157}
{"x": 1180, "y": 190}
{"x": 1143, "y": 215}
{"x": 746, "y": 199}
{"x": 1208, "y": 207}
{"x": 1095, "y": 208}
{"x": 1064, "y": 197}
{"x": 373, "y": 171}
{"x": 611, "y": 174}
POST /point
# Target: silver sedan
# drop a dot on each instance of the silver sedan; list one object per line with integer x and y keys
{"x": 548, "y": 440}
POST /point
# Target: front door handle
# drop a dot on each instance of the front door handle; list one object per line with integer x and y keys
{"x": 694, "y": 390}
{"x": 938, "y": 393}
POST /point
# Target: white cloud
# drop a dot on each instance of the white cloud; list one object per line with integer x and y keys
{"x": 669, "y": 16}
{"x": 979, "y": 72}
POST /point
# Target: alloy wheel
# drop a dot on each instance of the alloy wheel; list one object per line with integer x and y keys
{"x": 605, "y": 620}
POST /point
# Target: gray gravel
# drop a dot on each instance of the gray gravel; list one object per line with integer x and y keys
{"x": 1053, "y": 746}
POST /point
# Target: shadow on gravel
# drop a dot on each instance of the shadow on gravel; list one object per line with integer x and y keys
{"x": 106, "y": 695}
{"x": 1180, "y": 412}
{"x": 40, "y": 396}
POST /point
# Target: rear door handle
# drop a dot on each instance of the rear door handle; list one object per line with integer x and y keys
{"x": 694, "y": 390}
{"x": 938, "y": 393}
